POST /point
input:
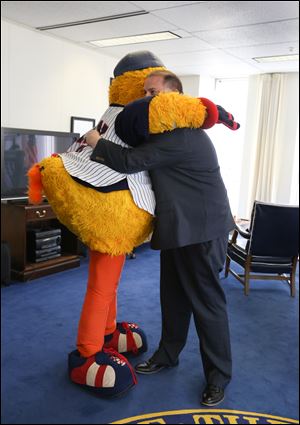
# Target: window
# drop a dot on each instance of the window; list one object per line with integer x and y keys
{"x": 231, "y": 94}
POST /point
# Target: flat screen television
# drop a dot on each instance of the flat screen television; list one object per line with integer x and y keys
{"x": 20, "y": 149}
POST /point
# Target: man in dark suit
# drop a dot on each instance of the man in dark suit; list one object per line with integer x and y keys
{"x": 192, "y": 223}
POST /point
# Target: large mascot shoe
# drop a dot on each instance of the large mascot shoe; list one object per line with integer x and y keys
{"x": 128, "y": 338}
{"x": 107, "y": 373}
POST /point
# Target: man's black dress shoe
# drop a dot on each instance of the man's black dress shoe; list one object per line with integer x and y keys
{"x": 149, "y": 366}
{"x": 212, "y": 395}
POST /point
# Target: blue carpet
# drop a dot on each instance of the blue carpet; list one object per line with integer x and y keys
{"x": 39, "y": 326}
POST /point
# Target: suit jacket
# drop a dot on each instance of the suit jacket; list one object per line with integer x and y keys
{"x": 191, "y": 200}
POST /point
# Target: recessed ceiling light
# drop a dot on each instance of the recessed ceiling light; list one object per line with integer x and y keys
{"x": 281, "y": 58}
{"x": 142, "y": 38}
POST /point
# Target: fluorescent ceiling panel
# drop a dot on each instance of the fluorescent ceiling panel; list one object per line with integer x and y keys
{"x": 282, "y": 58}
{"x": 143, "y": 38}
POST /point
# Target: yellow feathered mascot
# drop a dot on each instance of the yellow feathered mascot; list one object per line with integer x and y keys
{"x": 111, "y": 213}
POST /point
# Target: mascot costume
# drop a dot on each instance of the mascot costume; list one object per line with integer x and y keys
{"x": 112, "y": 213}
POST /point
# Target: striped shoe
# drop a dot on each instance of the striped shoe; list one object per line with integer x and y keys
{"x": 107, "y": 373}
{"x": 128, "y": 338}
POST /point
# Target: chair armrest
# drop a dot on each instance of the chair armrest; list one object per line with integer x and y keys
{"x": 233, "y": 237}
{"x": 243, "y": 232}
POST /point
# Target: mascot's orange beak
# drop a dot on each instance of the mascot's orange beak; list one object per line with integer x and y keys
{"x": 35, "y": 185}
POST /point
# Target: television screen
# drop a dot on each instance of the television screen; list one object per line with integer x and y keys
{"x": 20, "y": 149}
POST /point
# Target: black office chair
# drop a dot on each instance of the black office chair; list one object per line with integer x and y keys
{"x": 272, "y": 247}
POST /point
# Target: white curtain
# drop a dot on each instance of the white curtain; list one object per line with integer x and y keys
{"x": 271, "y": 140}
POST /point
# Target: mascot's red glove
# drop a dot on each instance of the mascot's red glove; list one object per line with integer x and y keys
{"x": 227, "y": 119}
{"x": 217, "y": 115}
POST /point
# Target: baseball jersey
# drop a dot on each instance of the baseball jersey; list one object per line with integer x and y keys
{"x": 78, "y": 164}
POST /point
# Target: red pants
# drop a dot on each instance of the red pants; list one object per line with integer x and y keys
{"x": 99, "y": 311}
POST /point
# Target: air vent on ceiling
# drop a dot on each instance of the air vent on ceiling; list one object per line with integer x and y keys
{"x": 92, "y": 21}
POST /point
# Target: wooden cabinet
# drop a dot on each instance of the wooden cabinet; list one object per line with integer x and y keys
{"x": 16, "y": 220}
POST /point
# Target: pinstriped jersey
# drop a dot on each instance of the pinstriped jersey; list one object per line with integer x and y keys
{"x": 78, "y": 164}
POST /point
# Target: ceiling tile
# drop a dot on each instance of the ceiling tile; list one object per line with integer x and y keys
{"x": 265, "y": 50}
{"x": 224, "y": 71}
{"x": 211, "y": 57}
{"x": 223, "y": 14}
{"x": 155, "y": 5}
{"x": 254, "y": 34}
{"x": 43, "y": 13}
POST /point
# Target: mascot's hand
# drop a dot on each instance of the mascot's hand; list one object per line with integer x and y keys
{"x": 227, "y": 119}
{"x": 217, "y": 115}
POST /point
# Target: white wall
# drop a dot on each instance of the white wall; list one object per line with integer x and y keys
{"x": 45, "y": 81}
{"x": 198, "y": 86}
{"x": 190, "y": 84}
{"x": 207, "y": 88}
{"x": 231, "y": 94}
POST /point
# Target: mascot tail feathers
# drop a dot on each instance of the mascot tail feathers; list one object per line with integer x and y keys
{"x": 35, "y": 186}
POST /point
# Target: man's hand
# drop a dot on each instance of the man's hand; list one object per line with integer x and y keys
{"x": 92, "y": 137}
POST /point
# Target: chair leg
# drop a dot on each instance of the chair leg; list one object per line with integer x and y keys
{"x": 227, "y": 264}
{"x": 293, "y": 285}
{"x": 247, "y": 275}
{"x": 293, "y": 278}
{"x": 246, "y": 287}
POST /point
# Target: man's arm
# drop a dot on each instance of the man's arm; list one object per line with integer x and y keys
{"x": 161, "y": 150}
{"x": 132, "y": 124}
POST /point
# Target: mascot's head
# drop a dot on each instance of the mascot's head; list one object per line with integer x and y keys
{"x": 130, "y": 74}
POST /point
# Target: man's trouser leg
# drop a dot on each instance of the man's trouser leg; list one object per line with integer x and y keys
{"x": 175, "y": 309}
{"x": 190, "y": 282}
